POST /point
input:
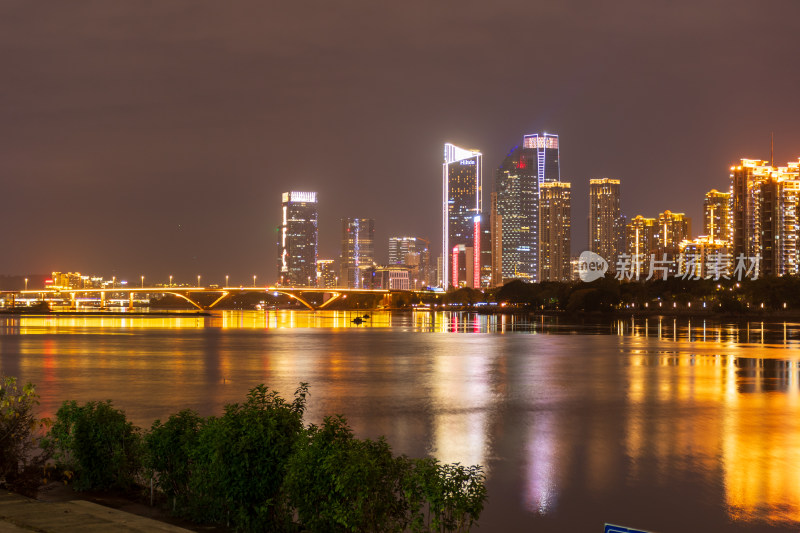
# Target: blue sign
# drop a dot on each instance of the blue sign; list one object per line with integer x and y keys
{"x": 611, "y": 528}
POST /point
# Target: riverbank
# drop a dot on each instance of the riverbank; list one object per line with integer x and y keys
{"x": 22, "y": 514}
{"x": 11, "y": 312}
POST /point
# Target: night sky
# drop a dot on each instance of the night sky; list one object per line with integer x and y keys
{"x": 155, "y": 137}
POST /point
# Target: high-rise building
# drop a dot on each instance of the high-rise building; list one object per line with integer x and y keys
{"x": 604, "y": 219}
{"x": 358, "y": 250}
{"x": 486, "y": 256}
{"x": 642, "y": 237}
{"x": 673, "y": 228}
{"x": 298, "y": 239}
{"x": 545, "y": 148}
{"x": 764, "y": 211}
{"x": 399, "y": 248}
{"x": 703, "y": 257}
{"x": 414, "y": 254}
{"x": 327, "y": 275}
{"x": 621, "y": 229}
{"x": 496, "y": 238}
{"x": 461, "y": 216}
{"x": 716, "y": 216}
{"x": 515, "y": 227}
{"x": 554, "y": 231}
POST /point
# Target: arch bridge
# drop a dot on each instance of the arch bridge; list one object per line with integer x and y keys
{"x": 190, "y": 294}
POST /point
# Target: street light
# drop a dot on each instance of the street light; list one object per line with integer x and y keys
{"x": 143, "y": 282}
{"x": 198, "y": 280}
{"x": 170, "y": 280}
{"x": 26, "y": 284}
{"x": 254, "y": 280}
{"x": 226, "y": 280}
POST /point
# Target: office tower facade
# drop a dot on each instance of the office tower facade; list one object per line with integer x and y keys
{"x": 298, "y": 239}
{"x": 327, "y": 274}
{"x": 716, "y": 216}
{"x": 621, "y": 228}
{"x": 554, "y": 231}
{"x": 414, "y": 254}
{"x": 461, "y": 216}
{"x": 496, "y": 221}
{"x": 486, "y": 256}
{"x": 764, "y": 211}
{"x": 604, "y": 219}
{"x": 515, "y": 226}
{"x": 400, "y": 248}
{"x": 673, "y": 228}
{"x": 545, "y": 149}
{"x": 358, "y": 251}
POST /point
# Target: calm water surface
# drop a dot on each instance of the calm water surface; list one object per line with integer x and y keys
{"x": 662, "y": 425}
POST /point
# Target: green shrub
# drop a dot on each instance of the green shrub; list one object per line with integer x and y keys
{"x": 340, "y": 483}
{"x": 18, "y": 425}
{"x": 97, "y": 443}
{"x": 444, "y": 497}
{"x": 240, "y": 460}
{"x": 168, "y": 448}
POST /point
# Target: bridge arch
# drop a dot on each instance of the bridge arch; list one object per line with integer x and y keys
{"x": 181, "y": 295}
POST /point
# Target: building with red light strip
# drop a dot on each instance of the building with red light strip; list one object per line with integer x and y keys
{"x": 461, "y": 217}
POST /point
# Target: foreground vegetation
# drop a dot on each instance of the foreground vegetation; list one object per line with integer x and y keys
{"x": 256, "y": 467}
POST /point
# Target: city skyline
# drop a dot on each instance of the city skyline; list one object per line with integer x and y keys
{"x": 149, "y": 139}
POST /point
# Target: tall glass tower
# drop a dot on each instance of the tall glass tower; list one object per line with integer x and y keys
{"x": 298, "y": 239}
{"x": 358, "y": 250}
{"x": 461, "y": 217}
{"x": 515, "y": 229}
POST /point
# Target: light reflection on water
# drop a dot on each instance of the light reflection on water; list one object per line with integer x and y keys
{"x": 624, "y": 420}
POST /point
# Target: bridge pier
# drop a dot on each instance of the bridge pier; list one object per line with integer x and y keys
{"x": 130, "y": 301}
{"x": 73, "y": 304}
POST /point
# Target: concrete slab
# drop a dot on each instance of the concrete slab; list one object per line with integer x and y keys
{"x": 18, "y": 513}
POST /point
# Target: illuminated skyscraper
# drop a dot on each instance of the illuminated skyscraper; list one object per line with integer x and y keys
{"x": 399, "y": 248}
{"x": 358, "y": 250}
{"x": 554, "y": 231}
{"x": 673, "y": 228}
{"x": 327, "y": 274}
{"x": 604, "y": 217}
{"x": 515, "y": 228}
{"x": 716, "y": 216}
{"x": 546, "y": 156}
{"x": 764, "y": 207}
{"x": 298, "y": 239}
{"x": 642, "y": 238}
{"x": 461, "y": 216}
{"x": 496, "y": 242}
{"x": 413, "y": 253}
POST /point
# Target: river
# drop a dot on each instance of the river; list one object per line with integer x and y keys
{"x": 658, "y": 424}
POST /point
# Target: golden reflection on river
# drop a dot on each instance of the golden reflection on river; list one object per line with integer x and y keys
{"x": 573, "y": 412}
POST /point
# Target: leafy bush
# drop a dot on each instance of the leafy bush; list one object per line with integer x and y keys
{"x": 168, "y": 449}
{"x": 340, "y": 483}
{"x": 97, "y": 443}
{"x": 240, "y": 460}
{"x": 18, "y": 425}
{"x": 258, "y": 468}
{"x": 444, "y": 497}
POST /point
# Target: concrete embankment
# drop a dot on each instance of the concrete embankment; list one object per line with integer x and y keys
{"x": 20, "y": 514}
